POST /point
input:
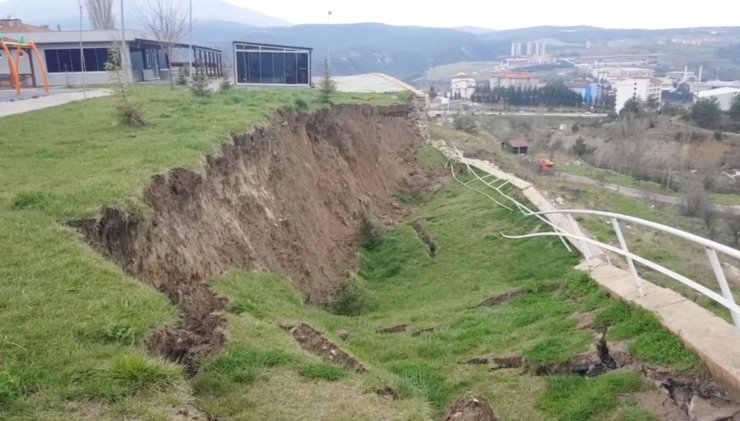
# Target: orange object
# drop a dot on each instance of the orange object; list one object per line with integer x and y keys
{"x": 546, "y": 167}
{"x": 14, "y": 65}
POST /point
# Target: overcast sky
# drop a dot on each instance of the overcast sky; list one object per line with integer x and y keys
{"x": 507, "y": 14}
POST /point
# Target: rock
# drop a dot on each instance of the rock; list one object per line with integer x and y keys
{"x": 713, "y": 409}
{"x": 560, "y": 201}
{"x": 343, "y": 334}
{"x": 470, "y": 409}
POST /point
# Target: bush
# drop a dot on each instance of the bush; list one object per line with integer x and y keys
{"x": 371, "y": 234}
{"x": 581, "y": 148}
{"x": 182, "y": 78}
{"x": 718, "y": 135}
{"x": 706, "y": 113}
{"x": 131, "y": 114}
{"x": 199, "y": 85}
{"x": 226, "y": 84}
{"x": 697, "y": 202}
{"x": 465, "y": 123}
{"x": 353, "y": 301}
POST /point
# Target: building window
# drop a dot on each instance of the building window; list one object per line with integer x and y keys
{"x": 272, "y": 67}
{"x": 64, "y": 60}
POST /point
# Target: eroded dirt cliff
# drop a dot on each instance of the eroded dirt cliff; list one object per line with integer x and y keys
{"x": 287, "y": 197}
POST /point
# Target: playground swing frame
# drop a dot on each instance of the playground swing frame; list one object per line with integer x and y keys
{"x": 14, "y": 64}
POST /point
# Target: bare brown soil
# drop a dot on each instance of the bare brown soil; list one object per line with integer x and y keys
{"x": 314, "y": 341}
{"x": 470, "y": 409}
{"x": 288, "y": 197}
{"x": 422, "y": 231}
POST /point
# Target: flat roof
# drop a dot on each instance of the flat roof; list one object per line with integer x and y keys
{"x": 66, "y": 37}
{"x": 262, "y": 44}
{"x": 717, "y": 91}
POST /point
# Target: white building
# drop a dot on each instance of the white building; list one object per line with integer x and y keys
{"x": 462, "y": 86}
{"x": 724, "y": 96}
{"x": 74, "y": 58}
{"x": 612, "y": 73}
{"x": 639, "y": 88}
{"x": 515, "y": 79}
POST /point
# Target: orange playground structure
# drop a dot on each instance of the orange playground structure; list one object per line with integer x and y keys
{"x": 22, "y": 49}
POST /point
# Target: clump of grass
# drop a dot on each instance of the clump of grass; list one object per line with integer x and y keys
{"x": 426, "y": 381}
{"x": 30, "y": 200}
{"x": 137, "y": 373}
{"x": 300, "y": 104}
{"x": 322, "y": 371}
{"x": 10, "y": 388}
{"x": 581, "y": 399}
{"x": 241, "y": 365}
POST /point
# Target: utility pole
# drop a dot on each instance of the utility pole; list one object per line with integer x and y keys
{"x": 328, "y": 46}
{"x": 123, "y": 45}
{"x": 190, "y": 67}
{"x": 82, "y": 58}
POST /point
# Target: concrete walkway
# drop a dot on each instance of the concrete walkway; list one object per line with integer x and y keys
{"x": 715, "y": 341}
{"x": 33, "y": 104}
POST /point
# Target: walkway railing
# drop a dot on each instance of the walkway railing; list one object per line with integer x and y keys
{"x": 713, "y": 249}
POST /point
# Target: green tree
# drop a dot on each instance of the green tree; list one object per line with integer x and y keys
{"x": 633, "y": 106}
{"x": 706, "y": 112}
{"x": 327, "y": 87}
{"x": 432, "y": 93}
{"x": 735, "y": 108}
{"x": 581, "y": 148}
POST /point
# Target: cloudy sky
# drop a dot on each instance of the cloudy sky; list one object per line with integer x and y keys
{"x": 506, "y": 14}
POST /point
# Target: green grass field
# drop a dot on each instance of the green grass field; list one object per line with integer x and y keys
{"x": 399, "y": 283}
{"x": 71, "y": 323}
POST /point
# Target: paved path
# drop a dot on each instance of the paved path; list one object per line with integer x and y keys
{"x": 639, "y": 194}
{"x": 370, "y": 82}
{"x": 34, "y": 104}
{"x": 715, "y": 341}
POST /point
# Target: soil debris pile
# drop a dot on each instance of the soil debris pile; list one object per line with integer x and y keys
{"x": 470, "y": 409}
{"x": 288, "y": 197}
{"x": 314, "y": 341}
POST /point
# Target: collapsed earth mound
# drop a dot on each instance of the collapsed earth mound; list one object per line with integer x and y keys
{"x": 288, "y": 197}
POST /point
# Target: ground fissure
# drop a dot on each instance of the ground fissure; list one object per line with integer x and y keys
{"x": 287, "y": 197}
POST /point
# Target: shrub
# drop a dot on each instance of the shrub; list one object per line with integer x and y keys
{"x": 353, "y": 300}
{"x": 328, "y": 87}
{"x": 226, "y": 84}
{"x": 465, "y": 123}
{"x": 182, "y": 77}
{"x": 371, "y": 234}
{"x": 199, "y": 86}
{"x": 718, "y": 135}
{"x": 131, "y": 114}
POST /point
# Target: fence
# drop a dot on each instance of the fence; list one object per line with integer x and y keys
{"x": 565, "y": 227}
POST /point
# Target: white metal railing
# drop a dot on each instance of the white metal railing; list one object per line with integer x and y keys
{"x": 726, "y": 298}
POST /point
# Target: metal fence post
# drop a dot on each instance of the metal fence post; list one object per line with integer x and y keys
{"x": 723, "y": 285}
{"x": 630, "y": 263}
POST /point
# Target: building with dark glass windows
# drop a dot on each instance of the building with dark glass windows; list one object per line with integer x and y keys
{"x": 267, "y": 64}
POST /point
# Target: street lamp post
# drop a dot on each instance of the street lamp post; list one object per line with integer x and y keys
{"x": 190, "y": 68}
{"x": 328, "y": 47}
{"x": 123, "y": 45}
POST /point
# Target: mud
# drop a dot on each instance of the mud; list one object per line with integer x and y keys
{"x": 287, "y": 197}
{"x": 470, "y": 409}
{"x": 315, "y": 342}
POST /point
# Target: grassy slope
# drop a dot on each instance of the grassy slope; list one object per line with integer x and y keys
{"x": 399, "y": 283}
{"x": 71, "y": 324}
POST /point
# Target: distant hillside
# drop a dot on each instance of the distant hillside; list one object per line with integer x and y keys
{"x": 402, "y": 51}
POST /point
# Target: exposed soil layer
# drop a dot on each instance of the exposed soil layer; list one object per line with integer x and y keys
{"x": 470, "y": 409}
{"x": 516, "y": 293}
{"x": 288, "y": 197}
{"x": 314, "y": 341}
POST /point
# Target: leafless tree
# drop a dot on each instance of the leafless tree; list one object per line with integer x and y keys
{"x": 100, "y": 13}
{"x": 733, "y": 222}
{"x": 167, "y": 21}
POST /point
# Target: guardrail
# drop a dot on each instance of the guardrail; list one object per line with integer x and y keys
{"x": 713, "y": 249}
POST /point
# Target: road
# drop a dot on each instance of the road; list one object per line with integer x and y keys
{"x": 436, "y": 113}
{"x": 639, "y": 194}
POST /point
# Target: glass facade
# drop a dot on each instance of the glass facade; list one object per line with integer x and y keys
{"x": 63, "y": 60}
{"x": 272, "y": 65}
